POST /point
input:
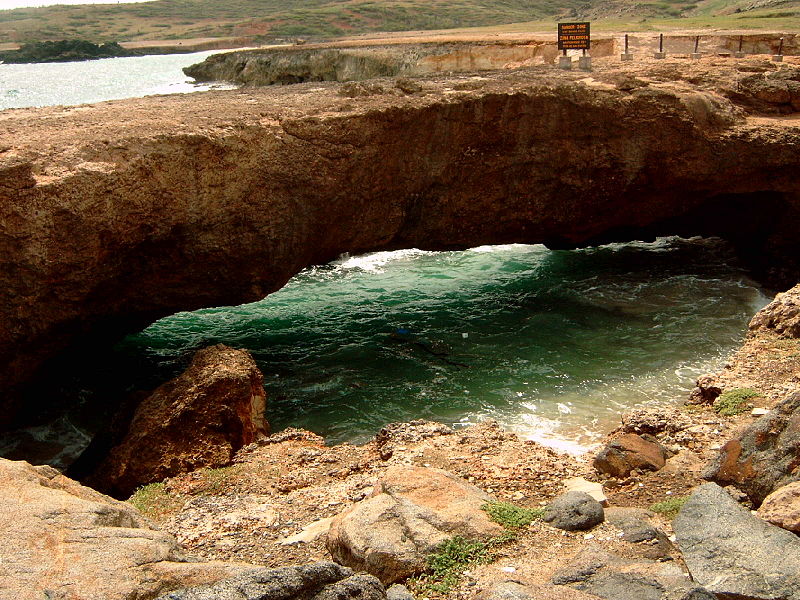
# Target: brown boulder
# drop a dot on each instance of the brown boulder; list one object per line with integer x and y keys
{"x": 782, "y": 507}
{"x": 765, "y": 455}
{"x": 411, "y": 512}
{"x": 706, "y": 391}
{"x": 627, "y": 452}
{"x": 782, "y": 315}
{"x": 199, "y": 419}
{"x": 63, "y": 540}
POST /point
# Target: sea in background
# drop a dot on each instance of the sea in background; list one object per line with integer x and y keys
{"x": 83, "y": 82}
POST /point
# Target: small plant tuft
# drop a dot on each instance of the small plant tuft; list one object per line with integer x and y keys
{"x": 447, "y": 563}
{"x": 153, "y": 501}
{"x": 733, "y": 402}
{"x": 669, "y": 508}
{"x": 510, "y": 516}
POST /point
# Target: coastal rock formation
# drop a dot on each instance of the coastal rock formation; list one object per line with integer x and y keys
{"x": 413, "y": 510}
{"x": 337, "y": 62}
{"x": 316, "y": 581}
{"x": 199, "y": 419}
{"x": 63, "y": 540}
{"x": 782, "y": 315}
{"x": 627, "y": 452}
{"x": 116, "y": 214}
{"x": 734, "y": 554}
{"x": 765, "y": 456}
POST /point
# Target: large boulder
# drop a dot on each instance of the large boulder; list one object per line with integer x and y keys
{"x": 199, "y": 419}
{"x": 316, "y": 581}
{"x": 782, "y": 507}
{"x": 627, "y": 452}
{"x": 764, "y": 456}
{"x": 782, "y": 315}
{"x": 62, "y": 540}
{"x": 411, "y": 512}
{"x": 733, "y": 553}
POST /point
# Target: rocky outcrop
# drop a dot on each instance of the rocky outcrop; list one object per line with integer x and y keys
{"x": 199, "y": 419}
{"x": 782, "y": 507}
{"x": 316, "y": 581}
{"x": 337, "y": 62}
{"x": 628, "y": 452}
{"x": 734, "y": 554}
{"x": 116, "y": 214}
{"x": 413, "y": 510}
{"x": 63, "y": 540}
{"x": 764, "y": 456}
{"x": 782, "y": 315}
{"x": 606, "y": 575}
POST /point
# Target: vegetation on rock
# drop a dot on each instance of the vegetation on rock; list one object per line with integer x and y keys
{"x": 669, "y": 508}
{"x": 63, "y": 51}
{"x": 153, "y": 501}
{"x": 733, "y": 402}
{"x": 448, "y": 562}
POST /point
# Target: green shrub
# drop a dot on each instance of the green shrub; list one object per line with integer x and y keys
{"x": 733, "y": 401}
{"x": 669, "y": 508}
{"x": 511, "y": 516}
{"x": 449, "y": 560}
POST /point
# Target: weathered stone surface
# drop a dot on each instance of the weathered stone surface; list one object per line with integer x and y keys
{"x": 316, "y": 581}
{"x": 412, "y": 511}
{"x": 398, "y": 592}
{"x": 513, "y": 590}
{"x": 63, "y": 540}
{"x": 594, "y": 489}
{"x": 782, "y": 315}
{"x": 782, "y": 507}
{"x": 606, "y": 575}
{"x": 733, "y": 553}
{"x": 199, "y": 419}
{"x": 706, "y": 390}
{"x": 119, "y": 213}
{"x": 574, "y": 511}
{"x": 764, "y": 456}
{"x": 627, "y": 452}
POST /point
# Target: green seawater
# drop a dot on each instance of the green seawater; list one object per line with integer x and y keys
{"x": 552, "y": 344}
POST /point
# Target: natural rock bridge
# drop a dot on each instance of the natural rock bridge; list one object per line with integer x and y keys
{"x": 114, "y": 215}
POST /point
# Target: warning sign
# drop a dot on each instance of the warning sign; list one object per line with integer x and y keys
{"x": 573, "y": 36}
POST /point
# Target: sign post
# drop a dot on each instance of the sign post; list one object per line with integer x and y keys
{"x": 574, "y": 36}
{"x": 626, "y": 55}
{"x": 779, "y": 56}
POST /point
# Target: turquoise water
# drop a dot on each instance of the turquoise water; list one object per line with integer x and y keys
{"x": 71, "y": 83}
{"x": 553, "y": 344}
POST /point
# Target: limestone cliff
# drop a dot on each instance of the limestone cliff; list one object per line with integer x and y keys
{"x": 116, "y": 214}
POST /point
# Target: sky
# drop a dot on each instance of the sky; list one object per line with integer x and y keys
{"x": 6, "y": 4}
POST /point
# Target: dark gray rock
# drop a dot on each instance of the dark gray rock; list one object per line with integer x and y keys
{"x": 613, "y": 585}
{"x": 574, "y": 511}
{"x": 764, "y": 456}
{"x": 508, "y": 590}
{"x": 316, "y": 581}
{"x": 734, "y": 554}
{"x": 633, "y": 523}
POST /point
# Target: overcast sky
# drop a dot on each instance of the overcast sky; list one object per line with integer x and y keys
{"x": 5, "y": 4}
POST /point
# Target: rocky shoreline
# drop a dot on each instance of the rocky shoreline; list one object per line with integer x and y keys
{"x": 472, "y": 513}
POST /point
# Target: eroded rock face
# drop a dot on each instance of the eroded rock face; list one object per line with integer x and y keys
{"x": 627, "y": 452}
{"x": 782, "y": 315}
{"x": 764, "y": 456}
{"x": 316, "y": 581}
{"x": 117, "y": 214}
{"x": 199, "y": 419}
{"x": 63, "y": 540}
{"x": 413, "y": 510}
{"x": 734, "y": 554}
